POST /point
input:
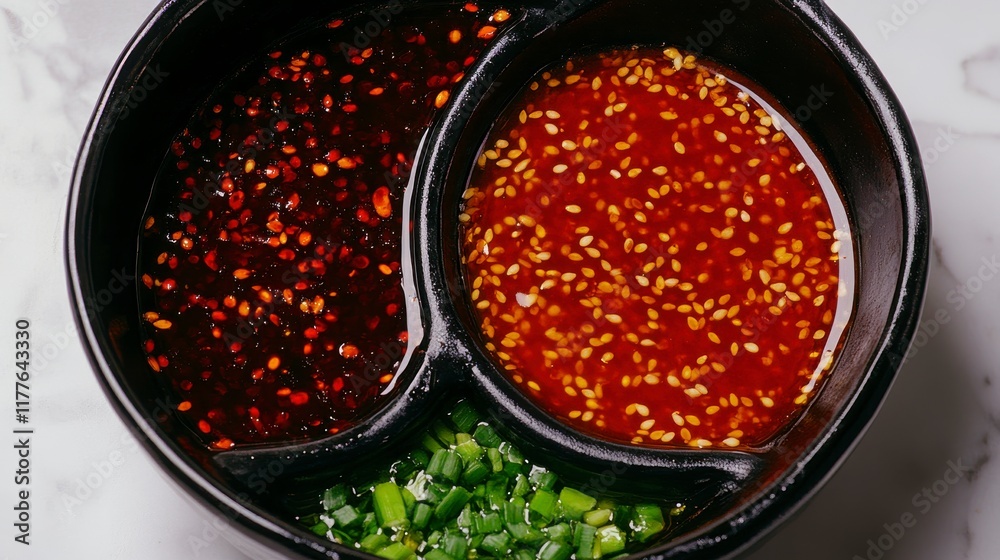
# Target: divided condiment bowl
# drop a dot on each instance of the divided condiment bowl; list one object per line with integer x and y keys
{"x": 797, "y": 50}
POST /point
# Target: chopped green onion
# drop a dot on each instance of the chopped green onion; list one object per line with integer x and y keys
{"x": 478, "y": 496}
{"x": 420, "y": 458}
{"x": 438, "y": 554}
{"x": 523, "y": 554}
{"x": 586, "y": 537}
{"x": 452, "y": 468}
{"x": 321, "y": 528}
{"x": 389, "y": 507}
{"x": 374, "y": 542}
{"x": 487, "y": 436}
{"x": 489, "y": 523}
{"x": 575, "y": 503}
{"x": 555, "y": 551}
{"x": 422, "y": 515}
{"x": 445, "y": 464}
{"x": 452, "y": 503}
{"x": 521, "y": 486}
{"x": 648, "y": 522}
{"x": 543, "y": 506}
{"x": 431, "y": 444}
{"x": 622, "y": 517}
{"x": 442, "y": 433}
{"x": 496, "y": 458}
{"x": 346, "y": 517}
{"x": 496, "y": 492}
{"x": 597, "y": 517}
{"x": 547, "y": 481}
{"x": 498, "y": 545}
{"x": 470, "y": 450}
{"x": 336, "y": 497}
{"x": 455, "y": 546}
{"x": 611, "y": 538}
{"x": 560, "y": 533}
{"x": 464, "y": 416}
{"x": 396, "y": 551}
{"x": 475, "y": 473}
{"x": 408, "y": 500}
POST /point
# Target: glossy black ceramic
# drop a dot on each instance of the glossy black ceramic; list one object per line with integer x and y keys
{"x": 796, "y": 49}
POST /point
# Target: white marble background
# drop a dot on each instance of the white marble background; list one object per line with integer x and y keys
{"x": 96, "y": 495}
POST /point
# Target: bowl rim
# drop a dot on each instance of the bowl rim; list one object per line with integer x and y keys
{"x": 731, "y": 536}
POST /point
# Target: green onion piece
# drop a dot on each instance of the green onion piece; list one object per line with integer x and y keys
{"x": 420, "y": 458}
{"x": 470, "y": 450}
{"x": 498, "y": 545}
{"x": 496, "y": 459}
{"x": 430, "y": 444}
{"x": 546, "y": 481}
{"x": 422, "y": 515}
{"x": 496, "y": 492}
{"x": 475, "y": 541}
{"x": 336, "y": 497}
{"x": 586, "y": 537}
{"x": 523, "y": 554}
{"x": 442, "y": 433}
{"x": 389, "y": 507}
{"x": 521, "y": 486}
{"x": 437, "y": 554}
{"x": 597, "y": 517}
{"x": 647, "y": 522}
{"x": 347, "y": 517}
{"x": 622, "y": 517}
{"x": 452, "y": 503}
{"x": 370, "y": 524}
{"x": 374, "y": 542}
{"x": 575, "y": 503}
{"x": 560, "y": 533}
{"x": 462, "y": 437}
{"x": 408, "y": 500}
{"x": 396, "y": 551}
{"x": 487, "y": 436}
{"x": 543, "y": 506}
{"x": 321, "y": 528}
{"x": 475, "y": 473}
{"x": 436, "y": 467}
{"x": 452, "y": 468}
{"x": 464, "y": 416}
{"x": 342, "y": 537}
{"x": 611, "y": 538}
{"x": 490, "y": 523}
{"x": 402, "y": 469}
{"x": 455, "y": 546}
{"x": 525, "y": 533}
{"x": 511, "y": 453}
{"x": 446, "y": 465}
{"x": 436, "y": 492}
{"x": 555, "y": 551}
{"x": 512, "y": 514}
{"x": 516, "y": 525}
{"x": 465, "y": 520}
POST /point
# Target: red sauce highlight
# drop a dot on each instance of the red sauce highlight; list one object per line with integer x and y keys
{"x": 651, "y": 258}
{"x": 271, "y": 255}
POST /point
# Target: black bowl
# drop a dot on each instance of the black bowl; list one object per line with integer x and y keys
{"x": 796, "y": 49}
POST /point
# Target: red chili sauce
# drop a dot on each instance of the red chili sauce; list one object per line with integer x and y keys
{"x": 653, "y": 258}
{"x": 271, "y": 256}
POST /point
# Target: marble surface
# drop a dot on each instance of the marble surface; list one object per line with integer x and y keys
{"x": 96, "y": 495}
